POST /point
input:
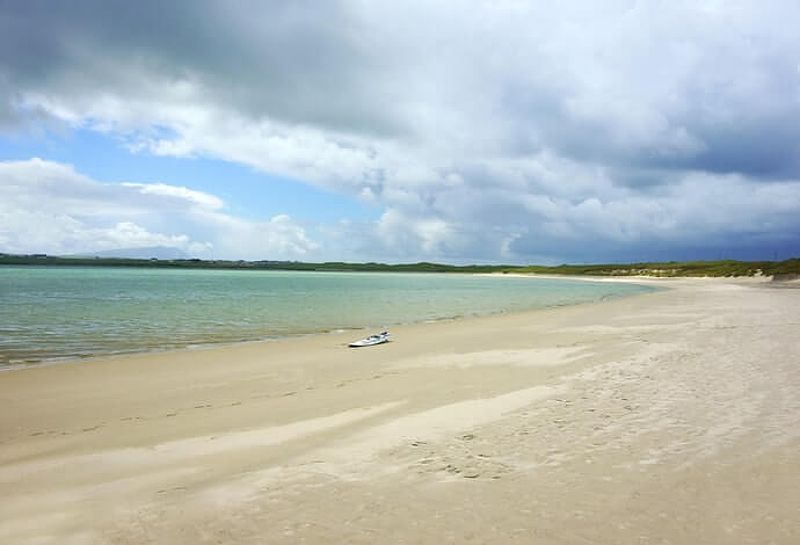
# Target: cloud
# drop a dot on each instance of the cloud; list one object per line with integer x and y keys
{"x": 197, "y": 198}
{"x": 487, "y": 130}
{"x": 49, "y": 207}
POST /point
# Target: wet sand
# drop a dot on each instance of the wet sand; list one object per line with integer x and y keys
{"x": 672, "y": 417}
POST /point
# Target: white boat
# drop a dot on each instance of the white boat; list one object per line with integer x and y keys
{"x": 372, "y": 340}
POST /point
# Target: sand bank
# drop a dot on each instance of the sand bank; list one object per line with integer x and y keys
{"x": 665, "y": 418}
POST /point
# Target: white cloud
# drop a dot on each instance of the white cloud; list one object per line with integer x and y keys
{"x": 49, "y": 207}
{"x": 203, "y": 200}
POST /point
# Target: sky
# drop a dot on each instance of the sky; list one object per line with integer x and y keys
{"x": 499, "y": 131}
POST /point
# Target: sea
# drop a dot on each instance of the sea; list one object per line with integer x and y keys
{"x": 53, "y": 314}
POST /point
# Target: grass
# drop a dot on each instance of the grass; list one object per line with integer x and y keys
{"x": 729, "y": 268}
{"x": 724, "y": 268}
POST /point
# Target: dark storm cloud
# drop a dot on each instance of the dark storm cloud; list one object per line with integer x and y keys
{"x": 599, "y": 250}
{"x": 724, "y": 102}
{"x": 295, "y": 61}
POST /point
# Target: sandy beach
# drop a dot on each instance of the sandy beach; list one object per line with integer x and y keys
{"x": 667, "y": 418}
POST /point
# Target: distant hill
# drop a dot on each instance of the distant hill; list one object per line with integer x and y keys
{"x": 161, "y": 257}
{"x": 677, "y": 269}
{"x": 148, "y": 252}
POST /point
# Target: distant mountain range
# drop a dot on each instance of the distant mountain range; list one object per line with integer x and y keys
{"x": 148, "y": 252}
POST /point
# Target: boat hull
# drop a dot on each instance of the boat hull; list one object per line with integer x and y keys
{"x": 372, "y": 340}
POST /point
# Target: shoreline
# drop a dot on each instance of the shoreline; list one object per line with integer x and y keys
{"x": 640, "y": 419}
{"x": 201, "y": 346}
{"x": 652, "y": 281}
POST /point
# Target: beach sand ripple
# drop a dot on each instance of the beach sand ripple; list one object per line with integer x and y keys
{"x": 664, "y": 418}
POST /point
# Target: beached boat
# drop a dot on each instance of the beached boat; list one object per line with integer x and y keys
{"x": 372, "y": 340}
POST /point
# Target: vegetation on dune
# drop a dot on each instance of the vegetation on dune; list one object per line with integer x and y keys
{"x": 675, "y": 268}
{"x": 667, "y": 269}
{"x": 44, "y": 260}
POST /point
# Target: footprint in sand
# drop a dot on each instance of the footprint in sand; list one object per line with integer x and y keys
{"x": 92, "y": 428}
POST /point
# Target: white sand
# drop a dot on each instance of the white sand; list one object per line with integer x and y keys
{"x": 666, "y": 418}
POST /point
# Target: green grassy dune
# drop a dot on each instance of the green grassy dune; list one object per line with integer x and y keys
{"x": 730, "y": 268}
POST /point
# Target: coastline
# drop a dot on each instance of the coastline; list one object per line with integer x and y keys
{"x": 339, "y": 337}
{"x": 92, "y": 349}
{"x": 668, "y": 416}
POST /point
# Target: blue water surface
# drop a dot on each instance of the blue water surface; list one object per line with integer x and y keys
{"x": 51, "y": 313}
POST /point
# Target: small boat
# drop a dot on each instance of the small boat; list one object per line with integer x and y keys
{"x": 372, "y": 340}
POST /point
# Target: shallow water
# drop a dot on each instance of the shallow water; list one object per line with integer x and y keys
{"x": 49, "y": 313}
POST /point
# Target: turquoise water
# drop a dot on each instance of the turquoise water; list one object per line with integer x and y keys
{"x": 49, "y": 313}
